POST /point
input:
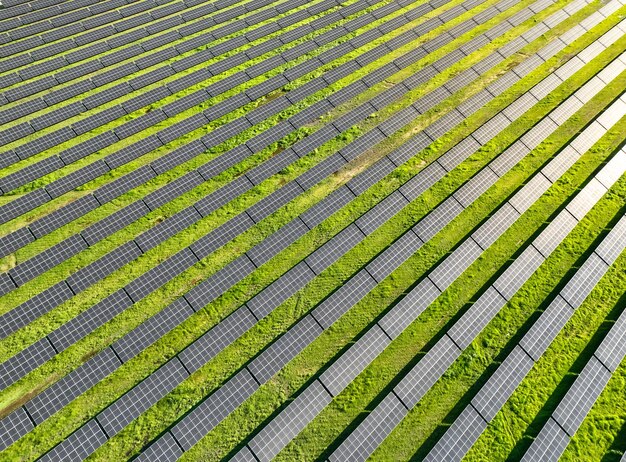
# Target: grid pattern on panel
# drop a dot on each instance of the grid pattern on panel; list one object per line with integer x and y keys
{"x": 465, "y": 330}
{"x": 613, "y": 348}
{"x": 572, "y": 410}
{"x": 104, "y": 266}
{"x": 436, "y": 220}
{"x": 25, "y": 361}
{"x": 455, "y": 264}
{"x": 89, "y": 320}
{"x": 518, "y": 272}
{"x": 409, "y": 308}
{"x": 583, "y": 282}
{"x": 206, "y": 347}
{"x": 79, "y": 445}
{"x": 69, "y": 387}
{"x": 372, "y": 431}
{"x": 161, "y": 274}
{"x": 215, "y": 285}
{"x": 289, "y": 422}
{"x": 278, "y": 241}
{"x": 459, "y": 438}
{"x": 493, "y": 394}
{"x": 495, "y": 226}
{"x": 141, "y": 397}
{"x": 214, "y": 409}
{"x": 394, "y": 256}
{"x": 336, "y": 247}
{"x": 13, "y": 426}
{"x": 344, "y": 298}
{"x": 164, "y": 449}
{"x": 425, "y": 373}
{"x": 152, "y": 329}
{"x": 549, "y": 444}
{"x": 280, "y": 290}
{"x": 354, "y": 361}
{"x": 546, "y": 328}
{"x": 33, "y": 308}
{"x": 283, "y": 350}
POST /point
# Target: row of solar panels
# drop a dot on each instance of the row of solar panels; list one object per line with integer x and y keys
{"x": 289, "y": 422}
{"x": 107, "y": 60}
{"x": 81, "y": 321}
{"x": 472, "y": 421}
{"x": 79, "y": 281}
{"x": 99, "y": 231}
{"x": 274, "y": 352}
{"x": 84, "y": 26}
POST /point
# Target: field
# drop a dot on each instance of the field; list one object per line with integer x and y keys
{"x": 312, "y": 230}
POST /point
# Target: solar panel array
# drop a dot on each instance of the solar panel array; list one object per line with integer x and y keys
{"x": 179, "y": 175}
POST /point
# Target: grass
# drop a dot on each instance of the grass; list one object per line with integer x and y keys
{"x": 360, "y": 394}
{"x": 215, "y": 442}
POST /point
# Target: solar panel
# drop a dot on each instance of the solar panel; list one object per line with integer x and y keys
{"x": 549, "y": 444}
{"x": 459, "y": 438}
{"x": 119, "y": 72}
{"x": 161, "y": 274}
{"x": 219, "y": 282}
{"x": 394, "y": 256}
{"x": 409, "y": 308}
{"x": 145, "y": 99}
{"x": 24, "y": 362}
{"x": 62, "y": 216}
{"x": 501, "y": 385}
{"x": 529, "y": 194}
{"x": 546, "y": 328}
{"x": 271, "y": 166}
{"x": 47, "y": 259}
{"x": 114, "y": 222}
{"x": 133, "y": 151}
{"x": 427, "y": 371}
{"x": 14, "y": 426}
{"x": 579, "y": 399}
{"x": 380, "y": 213}
{"x": 30, "y": 172}
{"x": 69, "y": 387}
{"x": 140, "y": 123}
{"x": 89, "y": 320}
{"x": 167, "y": 228}
{"x": 214, "y": 409}
{"x": 284, "y": 349}
{"x": 554, "y": 233}
{"x": 23, "y": 204}
{"x": 28, "y": 107}
{"x": 99, "y": 119}
{"x": 284, "y": 427}
{"x": 79, "y": 445}
{"x": 276, "y": 242}
{"x": 586, "y": 199}
{"x": 164, "y": 449}
{"x": 372, "y": 175}
{"x": 243, "y": 455}
{"x": 582, "y": 283}
{"x": 173, "y": 190}
{"x": 15, "y": 133}
{"x": 97, "y": 99}
{"x": 123, "y": 411}
{"x": 77, "y": 178}
{"x": 15, "y": 240}
{"x": 274, "y": 201}
{"x": 437, "y": 219}
{"x": 475, "y": 187}
{"x": 518, "y": 272}
{"x": 351, "y": 363}
{"x": 344, "y": 298}
{"x": 280, "y": 290}
{"x": 152, "y": 329}
{"x": 372, "y": 431}
{"x": 495, "y": 226}
{"x": 216, "y": 339}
